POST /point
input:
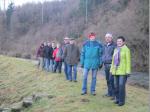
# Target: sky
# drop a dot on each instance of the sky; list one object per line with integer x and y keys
{"x": 19, "y": 2}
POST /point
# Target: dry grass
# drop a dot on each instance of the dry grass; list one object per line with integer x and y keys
{"x": 20, "y": 78}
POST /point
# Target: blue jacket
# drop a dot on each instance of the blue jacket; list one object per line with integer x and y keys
{"x": 91, "y": 55}
{"x": 108, "y": 51}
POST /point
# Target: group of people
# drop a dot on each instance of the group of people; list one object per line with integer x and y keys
{"x": 114, "y": 56}
{"x": 52, "y": 55}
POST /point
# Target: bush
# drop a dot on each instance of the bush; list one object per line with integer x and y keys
{"x": 27, "y": 56}
{"x": 18, "y": 55}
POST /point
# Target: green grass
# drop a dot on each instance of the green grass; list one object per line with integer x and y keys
{"x": 20, "y": 78}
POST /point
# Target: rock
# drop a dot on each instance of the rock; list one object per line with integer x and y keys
{"x": 16, "y": 107}
{"x": 5, "y": 110}
{"x": 38, "y": 96}
{"x": 27, "y": 102}
{"x": 85, "y": 100}
{"x": 51, "y": 96}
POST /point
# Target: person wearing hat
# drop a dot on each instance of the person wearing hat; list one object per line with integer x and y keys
{"x": 66, "y": 42}
{"x": 72, "y": 55}
{"x": 108, "y": 50}
{"x": 90, "y": 59}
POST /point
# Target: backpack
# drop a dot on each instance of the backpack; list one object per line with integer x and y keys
{"x": 59, "y": 53}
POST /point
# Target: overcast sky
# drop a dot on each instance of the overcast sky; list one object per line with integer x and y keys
{"x": 19, "y": 2}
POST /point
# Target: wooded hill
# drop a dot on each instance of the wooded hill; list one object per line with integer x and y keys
{"x": 23, "y": 28}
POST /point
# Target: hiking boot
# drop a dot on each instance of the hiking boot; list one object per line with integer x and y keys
{"x": 120, "y": 104}
{"x": 83, "y": 93}
{"x": 116, "y": 102}
{"x": 112, "y": 98}
{"x": 93, "y": 93}
{"x": 107, "y": 95}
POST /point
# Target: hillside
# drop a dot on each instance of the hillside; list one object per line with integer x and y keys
{"x": 20, "y": 78}
{"x": 22, "y": 29}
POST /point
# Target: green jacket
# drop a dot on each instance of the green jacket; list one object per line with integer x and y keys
{"x": 124, "y": 67}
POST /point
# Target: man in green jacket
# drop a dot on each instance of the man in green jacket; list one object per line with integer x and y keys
{"x": 120, "y": 68}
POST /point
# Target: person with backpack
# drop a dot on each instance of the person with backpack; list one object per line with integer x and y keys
{"x": 72, "y": 55}
{"x": 120, "y": 69}
{"x": 57, "y": 55}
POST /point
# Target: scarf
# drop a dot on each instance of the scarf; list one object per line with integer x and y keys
{"x": 117, "y": 58}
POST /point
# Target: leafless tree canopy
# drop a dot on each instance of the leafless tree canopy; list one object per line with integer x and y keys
{"x": 23, "y": 28}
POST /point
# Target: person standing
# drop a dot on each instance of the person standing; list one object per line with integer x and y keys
{"x": 121, "y": 69}
{"x": 66, "y": 42}
{"x": 52, "y": 48}
{"x": 57, "y": 54}
{"x": 44, "y": 55}
{"x": 90, "y": 59}
{"x": 108, "y": 50}
{"x": 47, "y": 50}
{"x": 40, "y": 57}
{"x": 72, "y": 55}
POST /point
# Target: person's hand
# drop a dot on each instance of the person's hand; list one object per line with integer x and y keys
{"x": 128, "y": 75}
{"x": 82, "y": 66}
{"x": 62, "y": 60}
{"x": 36, "y": 57}
{"x": 100, "y": 66}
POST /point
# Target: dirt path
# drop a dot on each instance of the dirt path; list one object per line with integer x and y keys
{"x": 138, "y": 79}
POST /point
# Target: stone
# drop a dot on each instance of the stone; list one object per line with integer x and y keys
{"x": 38, "y": 96}
{"x": 27, "y": 102}
{"x": 5, "y": 110}
{"x": 16, "y": 107}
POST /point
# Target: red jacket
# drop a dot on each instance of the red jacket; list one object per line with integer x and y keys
{"x": 56, "y": 55}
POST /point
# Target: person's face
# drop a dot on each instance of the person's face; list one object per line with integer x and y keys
{"x": 108, "y": 39}
{"x": 66, "y": 41}
{"x": 49, "y": 44}
{"x": 45, "y": 43}
{"x": 92, "y": 38}
{"x": 120, "y": 42}
{"x": 71, "y": 41}
{"x": 58, "y": 45}
{"x": 53, "y": 45}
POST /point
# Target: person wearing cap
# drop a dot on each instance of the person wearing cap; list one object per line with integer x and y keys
{"x": 90, "y": 59}
{"x": 108, "y": 50}
{"x": 72, "y": 55}
{"x": 121, "y": 69}
{"x": 66, "y": 42}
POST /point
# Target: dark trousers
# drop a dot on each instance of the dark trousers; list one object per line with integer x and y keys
{"x": 110, "y": 80}
{"x": 66, "y": 70}
{"x": 57, "y": 66}
{"x": 120, "y": 93}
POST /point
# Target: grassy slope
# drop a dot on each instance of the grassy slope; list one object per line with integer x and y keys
{"x": 19, "y": 78}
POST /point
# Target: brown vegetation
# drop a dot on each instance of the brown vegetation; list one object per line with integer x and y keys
{"x": 24, "y": 32}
